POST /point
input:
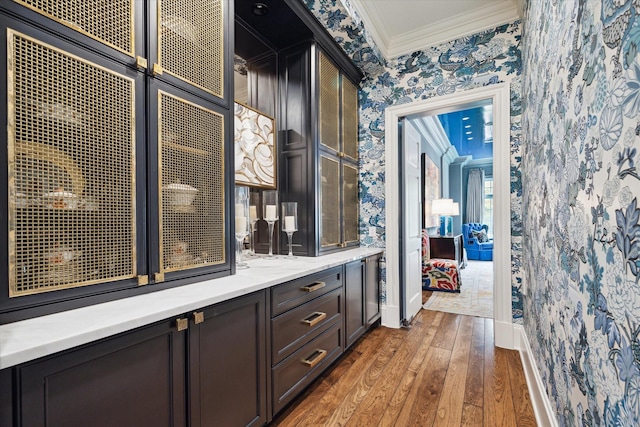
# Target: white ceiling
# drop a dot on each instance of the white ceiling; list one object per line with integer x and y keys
{"x": 399, "y": 27}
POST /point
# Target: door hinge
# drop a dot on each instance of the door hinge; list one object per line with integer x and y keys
{"x": 156, "y": 70}
{"x": 143, "y": 280}
{"x": 158, "y": 277}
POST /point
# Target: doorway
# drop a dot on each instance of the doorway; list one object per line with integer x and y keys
{"x": 499, "y": 96}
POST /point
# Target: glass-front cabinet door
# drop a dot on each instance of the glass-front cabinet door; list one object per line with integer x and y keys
{"x": 349, "y": 119}
{"x": 350, "y": 204}
{"x": 329, "y": 202}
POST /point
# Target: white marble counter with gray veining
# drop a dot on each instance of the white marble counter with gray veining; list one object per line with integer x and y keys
{"x": 33, "y": 338}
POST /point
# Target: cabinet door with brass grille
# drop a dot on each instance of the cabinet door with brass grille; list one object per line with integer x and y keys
{"x": 329, "y": 202}
{"x": 329, "y": 104}
{"x": 72, "y": 168}
{"x": 188, "y": 46}
{"x": 349, "y": 119}
{"x": 350, "y": 204}
{"x": 114, "y": 24}
{"x": 191, "y": 182}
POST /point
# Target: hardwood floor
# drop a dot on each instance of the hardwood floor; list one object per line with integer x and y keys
{"x": 444, "y": 371}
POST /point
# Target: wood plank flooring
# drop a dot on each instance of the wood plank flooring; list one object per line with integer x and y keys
{"x": 444, "y": 371}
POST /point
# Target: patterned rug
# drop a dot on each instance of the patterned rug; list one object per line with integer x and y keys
{"x": 476, "y": 292}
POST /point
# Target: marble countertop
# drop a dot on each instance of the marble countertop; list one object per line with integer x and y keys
{"x": 33, "y": 338}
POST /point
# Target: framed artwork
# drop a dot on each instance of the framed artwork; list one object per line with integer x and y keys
{"x": 431, "y": 184}
{"x": 254, "y": 147}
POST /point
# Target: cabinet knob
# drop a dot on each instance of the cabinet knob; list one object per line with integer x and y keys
{"x": 182, "y": 324}
{"x": 141, "y": 63}
{"x": 198, "y": 317}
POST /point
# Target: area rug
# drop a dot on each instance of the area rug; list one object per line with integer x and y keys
{"x": 476, "y": 293}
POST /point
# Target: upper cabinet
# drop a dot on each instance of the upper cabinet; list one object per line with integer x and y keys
{"x": 319, "y": 157}
{"x": 116, "y": 167}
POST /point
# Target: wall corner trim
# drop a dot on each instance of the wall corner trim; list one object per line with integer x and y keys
{"x": 545, "y": 415}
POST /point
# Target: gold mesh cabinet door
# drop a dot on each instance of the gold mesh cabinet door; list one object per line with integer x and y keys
{"x": 190, "y": 42}
{"x": 329, "y": 104}
{"x": 71, "y": 161}
{"x": 329, "y": 202}
{"x": 108, "y": 21}
{"x": 191, "y": 140}
{"x": 349, "y": 119}
{"x": 350, "y": 203}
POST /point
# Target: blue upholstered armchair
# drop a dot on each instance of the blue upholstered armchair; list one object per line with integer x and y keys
{"x": 477, "y": 242}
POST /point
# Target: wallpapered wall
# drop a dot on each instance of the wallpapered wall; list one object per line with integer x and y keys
{"x": 581, "y": 121}
{"x": 483, "y": 59}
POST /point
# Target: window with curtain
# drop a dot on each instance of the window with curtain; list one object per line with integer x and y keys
{"x": 487, "y": 213}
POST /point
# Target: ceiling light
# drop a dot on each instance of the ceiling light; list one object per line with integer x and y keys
{"x": 467, "y": 126}
{"x": 465, "y": 118}
{"x": 470, "y": 138}
{"x": 260, "y": 9}
{"x": 468, "y": 132}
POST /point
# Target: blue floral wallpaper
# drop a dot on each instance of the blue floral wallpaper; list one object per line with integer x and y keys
{"x": 581, "y": 245}
{"x": 483, "y": 59}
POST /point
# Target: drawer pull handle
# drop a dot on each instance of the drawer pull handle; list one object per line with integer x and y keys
{"x": 314, "y": 318}
{"x": 313, "y": 286}
{"x": 315, "y": 358}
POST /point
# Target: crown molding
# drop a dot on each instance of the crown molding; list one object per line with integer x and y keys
{"x": 463, "y": 24}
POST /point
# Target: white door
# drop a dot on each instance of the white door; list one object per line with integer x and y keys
{"x": 411, "y": 222}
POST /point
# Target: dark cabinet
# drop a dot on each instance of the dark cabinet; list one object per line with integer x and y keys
{"x": 362, "y": 297}
{"x": 228, "y": 364}
{"x": 135, "y": 378}
{"x": 354, "y": 283}
{"x": 117, "y": 117}
{"x": 319, "y": 151}
{"x": 372, "y": 290}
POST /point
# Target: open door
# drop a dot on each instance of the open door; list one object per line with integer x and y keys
{"x": 410, "y": 222}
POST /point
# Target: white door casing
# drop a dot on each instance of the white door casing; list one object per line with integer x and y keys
{"x": 499, "y": 94}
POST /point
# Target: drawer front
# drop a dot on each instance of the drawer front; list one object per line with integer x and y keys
{"x": 294, "y": 328}
{"x": 291, "y": 294}
{"x": 297, "y": 371}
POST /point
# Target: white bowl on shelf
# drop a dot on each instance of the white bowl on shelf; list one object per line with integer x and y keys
{"x": 62, "y": 200}
{"x": 181, "y": 194}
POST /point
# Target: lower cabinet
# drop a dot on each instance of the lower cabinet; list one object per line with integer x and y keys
{"x": 134, "y": 379}
{"x": 354, "y": 273}
{"x": 236, "y": 363}
{"x": 362, "y": 297}
{"x": 227, "y": 364}
{"x": 372, "y": 290}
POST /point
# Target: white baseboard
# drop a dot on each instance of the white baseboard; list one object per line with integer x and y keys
{"x": 545, "y": 415}
{"x": 503, "y": 334}
{"x": 390, "y": 316}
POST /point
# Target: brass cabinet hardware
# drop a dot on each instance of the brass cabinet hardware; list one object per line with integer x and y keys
{"x": 182, "y": 324}
{"x": 158, "y": 277}
{"x": 314, "y": 318}
{"x": 198, "y": 317}
{"x": 156, "y": 70}
{"x": 313, "y": 286}
{"x": 141, "y": 62}
{"x": 341, "y": 154}
{"x": 143, "y": 280}
{"x": 315, "y": 358}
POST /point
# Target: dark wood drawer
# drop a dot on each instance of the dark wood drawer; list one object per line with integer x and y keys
{"x": 294, "y": 328}
{"x": 297, "y": 371}
{"x": 291, "y": 294}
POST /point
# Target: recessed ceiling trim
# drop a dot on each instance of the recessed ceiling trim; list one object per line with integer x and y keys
{"x": 496, "y": 13}
{"x": 457, "y": 26}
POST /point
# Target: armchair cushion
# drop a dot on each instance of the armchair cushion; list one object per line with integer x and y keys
{"x": 438, "y": 274}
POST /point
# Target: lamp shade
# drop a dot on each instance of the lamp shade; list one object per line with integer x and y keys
{"x": 441, "y": 206}
{"x": 455, "y": 209}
